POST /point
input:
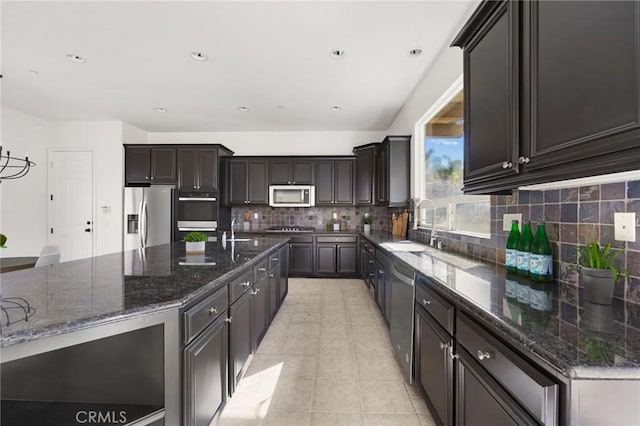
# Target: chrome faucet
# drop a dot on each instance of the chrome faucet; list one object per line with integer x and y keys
{"x": 433, "y": 241}
{"x": 233, "y": 222}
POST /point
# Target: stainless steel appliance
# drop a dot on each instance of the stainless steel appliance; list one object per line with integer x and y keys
{"x": 292, "y": 195}
{"x": 147, "y": 216}
{"x": 401, "y": 319}
{"x": 197, "y": 211}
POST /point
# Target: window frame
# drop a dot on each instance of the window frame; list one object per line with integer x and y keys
{"x": 421, "y": 201}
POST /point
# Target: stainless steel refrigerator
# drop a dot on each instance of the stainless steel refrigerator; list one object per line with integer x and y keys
{"x": 147, "y": 216}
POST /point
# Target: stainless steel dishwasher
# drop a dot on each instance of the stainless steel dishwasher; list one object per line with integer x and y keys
{"x": 401, "y": 320}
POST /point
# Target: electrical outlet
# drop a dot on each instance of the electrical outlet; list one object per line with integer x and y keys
{"x": 508, "y": 217}
{"x": 624, "y": 225}
{"x": 255, "y": 215}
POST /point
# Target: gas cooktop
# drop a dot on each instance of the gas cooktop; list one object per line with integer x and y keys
{"x": 291, "y": 228}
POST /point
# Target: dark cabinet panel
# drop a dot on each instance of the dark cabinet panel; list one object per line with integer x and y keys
{"x": 258, "y": 187}
{"x": 481, "y": 401}
{"x": 247, "y": 182}
{"x": 237, "y": 185}
{"x": 274, "y": 288}
{"x": 240, "y": 338}
{"x": 347, "y": 259}
{"x": 334, "y": 182}
{"x": 163, "y": 165}
{"x": 324, "y": 182}
{"x": 380, "y": 285}
{"x": 382, "y": 184}
{"x": 205, "y": 375}
{"x": 326, "y": 258}
{"x": 283, "y": 283}
{"x": 491, "y": 97}
{"x": 208, "y": 169}
{"x": 286, "y": 171}
{"x": 434, "y": 366}
{"x": 280, "y": 172}
{"x": 302, "y": 172}
{"x": 393, "y": 171}
{"x": 343, "y": 182}
{"x": 365, "y": 175}
{"x": 137, "y": 165}
{"x": 585, "y": 79}
{"x": 259, "y": 310}
{"x": 187, "y": 169}
{"x": 301, "y": 259}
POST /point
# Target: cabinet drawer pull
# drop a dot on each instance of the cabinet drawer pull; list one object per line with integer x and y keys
{"x": 213, "y": 310}
{"x": 507, "y": 165}
{"x": 245, "y": 284}
{"x": 451, "y": 354}
{"x": 523, "y": 160}
{"x": 262, "y": 269}
{"x": 483, "y": 355}
{"x": 272, "y": 275}
{"x": 427, "y": 302}
{"x": 380, "y": 271}
{"x": 275, "y": 259}
{"x": 443, "y": 345}
{"x": 254, "y": 292}
{"x": 228, "y": 319}
{"x": 371, "y": 261}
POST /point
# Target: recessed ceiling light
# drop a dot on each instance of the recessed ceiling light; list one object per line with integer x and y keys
{"x": 199, "y": 56}
{"x": 337, "y": 53}
{"x": 336, "y": 108}
{"x": 34, "y": 72}
{"x": 160, "y": 109}
{"x": 76, "y": 58}
{"x": 415, "y": 52}
{"x": 280, "y": 106}
{"x": 243, "y": 109}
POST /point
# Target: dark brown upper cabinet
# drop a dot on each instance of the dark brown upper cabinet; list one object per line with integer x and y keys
{"x": 552, "y": 91}
{"x": 286, "y": 171}
{"x": 393, "y": 171}
{"x": 247, "y": 182}
{"x": 150, "y": 165}
{"x": 366, "y": 174}
{"x": 198, "y": 168}
{"x": 334, "y": 182}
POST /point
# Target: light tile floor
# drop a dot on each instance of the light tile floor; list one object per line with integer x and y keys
{"x": 326, "y": 360}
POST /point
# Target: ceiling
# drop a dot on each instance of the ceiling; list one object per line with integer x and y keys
{"x": 272, "y": 57}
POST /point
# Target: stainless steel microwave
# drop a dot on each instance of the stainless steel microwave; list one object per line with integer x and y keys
{"x": 292, "y": 195}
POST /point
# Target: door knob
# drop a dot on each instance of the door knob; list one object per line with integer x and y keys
{"x": 523, "y": 160}
{"x": 87, "y": 230}
{"x": 88, "y": 222}
{"x": 507, "y": 165}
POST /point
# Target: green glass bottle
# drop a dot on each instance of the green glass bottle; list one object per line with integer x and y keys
{"x": 512, "y": 247}
{"x": 524, "y": 250}
{"x": 541, "y": 259}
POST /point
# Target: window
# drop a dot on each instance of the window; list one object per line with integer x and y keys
{"x": 440, "y": 164}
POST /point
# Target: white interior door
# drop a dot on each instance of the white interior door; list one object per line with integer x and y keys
{"x": 71, "y": 224}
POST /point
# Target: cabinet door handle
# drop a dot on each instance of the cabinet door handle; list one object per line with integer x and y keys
{"x": 228, "y": 319}
{"x": 195, "y": 187}
{"x": 254, "y": 292}
{"x": 483, "y": 355}
{"x": 380, "y": 271}
{"x": 427, "y": 302}
{"x": 245, "y": 284}
{"x": 262, "y": 269}
{"x": 371, "y": 261}
{"x": 213, "y": 310}
{"x": 507, "y": 165}
{"x": 272, "y": 275}
{"x": 523, "y": 160}
{"x": 451, "y": 354}
{"x": 443, "y": 345}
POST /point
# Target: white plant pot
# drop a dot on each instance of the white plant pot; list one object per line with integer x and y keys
{"x": 367, "y": 227}
{"x": 196, "y": 247}
{"x": 246, "y": 226}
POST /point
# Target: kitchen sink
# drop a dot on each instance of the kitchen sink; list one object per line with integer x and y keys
{"x": 404, "y": 246}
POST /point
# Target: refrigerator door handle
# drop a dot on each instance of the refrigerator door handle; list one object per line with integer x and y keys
{"x": 146, "y": 222}
{"x": 141, "y": 223}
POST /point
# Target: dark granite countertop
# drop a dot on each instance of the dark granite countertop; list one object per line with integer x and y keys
{"x": 103, "y": 289}
{"x": 578, "y": 340}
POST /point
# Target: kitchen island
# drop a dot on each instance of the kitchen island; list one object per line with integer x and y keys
{"x": 582, "y": 360}
{"x": 112, "y": 329}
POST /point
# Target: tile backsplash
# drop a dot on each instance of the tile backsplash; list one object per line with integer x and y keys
{"x": 573, "y": 217}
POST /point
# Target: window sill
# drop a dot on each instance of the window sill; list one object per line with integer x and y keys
{"x": 466, "y": 234}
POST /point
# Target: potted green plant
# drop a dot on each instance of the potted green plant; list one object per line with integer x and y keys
{"x": 3, "y": 241}
{"x": 195, "y": 242}
{"x": 367, "y": 220}
{"x": 598, "y": 272}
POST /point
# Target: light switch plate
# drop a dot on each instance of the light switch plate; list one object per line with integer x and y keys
{"x": 255, "y": 215}
{"x": 624, "y": 225}
{"x": 508, "y": 217}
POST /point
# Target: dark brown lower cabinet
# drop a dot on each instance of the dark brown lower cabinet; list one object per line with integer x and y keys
{"x": 301, "y": 259}
{"x": 205, "y": 374}
{"x": 481, "y": 400}
{"x": 259, "y": 310}
{"x": 326, "y": 258}
{"x": 240, "y": 342}
{"x": 283, "y": 282}
{"x": 434, "y": 366}
{"x": 274, "y": 287}
{"x": 347, "y": 259}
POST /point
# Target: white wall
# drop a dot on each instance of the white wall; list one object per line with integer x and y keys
{"x": 276, "y": 143}
{"x": 23, "y": 202}
{"x": 23, "y": 207}
{"x": 133, "y": 134}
